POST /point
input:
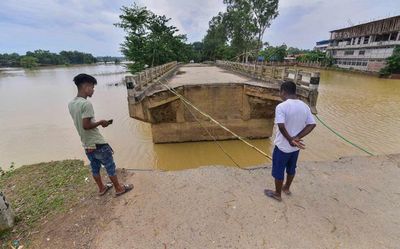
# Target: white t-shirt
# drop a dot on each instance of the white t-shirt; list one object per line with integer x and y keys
{"x": 295, "y": 114}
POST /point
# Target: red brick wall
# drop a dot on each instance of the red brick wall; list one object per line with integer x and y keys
{"x": 375, "y": 66}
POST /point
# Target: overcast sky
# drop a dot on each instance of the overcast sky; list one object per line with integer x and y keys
{"x": 87, "y": 25}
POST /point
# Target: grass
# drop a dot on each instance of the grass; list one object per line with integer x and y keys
{"x": 37, "y": 192}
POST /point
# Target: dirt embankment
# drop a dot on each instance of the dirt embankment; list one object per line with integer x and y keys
{"x": 349, "y": 203}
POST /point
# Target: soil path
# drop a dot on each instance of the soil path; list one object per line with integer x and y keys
{"x": 349, "y": 203}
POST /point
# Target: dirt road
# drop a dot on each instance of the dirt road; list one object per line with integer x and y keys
{"x": 350, "y": 203}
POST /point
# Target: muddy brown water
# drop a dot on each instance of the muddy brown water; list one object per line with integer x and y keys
{"x": 35, "y": 125}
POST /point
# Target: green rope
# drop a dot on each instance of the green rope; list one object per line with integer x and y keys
{"x": 346, "y": 140}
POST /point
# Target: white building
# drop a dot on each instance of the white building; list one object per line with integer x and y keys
{"x": 322, "y": 45}
{"x": 365, "y": 46}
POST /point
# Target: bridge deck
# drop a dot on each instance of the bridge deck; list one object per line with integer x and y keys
{"x": 192, "y": 75}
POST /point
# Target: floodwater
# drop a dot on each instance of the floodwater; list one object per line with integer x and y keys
{"x": 35, "y": 125}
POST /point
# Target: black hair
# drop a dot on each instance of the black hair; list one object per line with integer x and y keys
{"x": 289, "y": 87}
{"x": 82, "y": 78}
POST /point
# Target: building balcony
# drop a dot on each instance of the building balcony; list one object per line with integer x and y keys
{"x": 369, "y": 45}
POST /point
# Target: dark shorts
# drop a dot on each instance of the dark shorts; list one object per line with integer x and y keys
{"x": 102, "y": 155}
{"x": 282, "y": 161}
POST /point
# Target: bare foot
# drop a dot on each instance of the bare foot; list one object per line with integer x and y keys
{"x": 286, "y": 191}
{"x": 272, "y": 194}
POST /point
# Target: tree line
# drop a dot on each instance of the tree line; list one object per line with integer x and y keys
{"x": 45, "y": 58}
{"x": 235, "y": 34}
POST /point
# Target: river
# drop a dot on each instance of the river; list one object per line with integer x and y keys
{"x": 35, "y": 125}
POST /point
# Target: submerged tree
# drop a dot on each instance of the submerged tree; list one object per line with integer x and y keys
{"x": 150, "y": 41}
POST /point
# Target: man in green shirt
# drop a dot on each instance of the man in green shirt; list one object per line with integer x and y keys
{"x": 98, "y": 151}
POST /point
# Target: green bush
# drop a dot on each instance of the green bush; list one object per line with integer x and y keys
{"x": 392, "y": 63}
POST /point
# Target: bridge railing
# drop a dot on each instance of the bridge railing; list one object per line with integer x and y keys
{"x": 301, "y": 77}
{"x": 142, "y": 79}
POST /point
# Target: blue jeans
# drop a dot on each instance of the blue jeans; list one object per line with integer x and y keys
{"x": 282, "y": 161}
{"x": 103, "y": 155}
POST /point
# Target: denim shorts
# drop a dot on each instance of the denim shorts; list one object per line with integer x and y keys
{"x": 282, "y": 161}
{"x": 102, "y": 155}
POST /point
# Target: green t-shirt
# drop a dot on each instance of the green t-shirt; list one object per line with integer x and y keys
{"x": 81, "y": 108}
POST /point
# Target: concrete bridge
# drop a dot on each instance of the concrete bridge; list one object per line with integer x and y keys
{"x": 241, "y": 97}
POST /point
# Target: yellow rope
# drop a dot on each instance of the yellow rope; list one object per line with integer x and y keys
{"x": 212, "y": 136}
{"x": 215, "y": 121}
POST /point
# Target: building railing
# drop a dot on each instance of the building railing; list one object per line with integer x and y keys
{"x": 368, "y": 45}
{"x": 142, "y": 79}
{"x": 301, "y": 77}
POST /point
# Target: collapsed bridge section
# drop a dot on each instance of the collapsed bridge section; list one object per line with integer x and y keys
{"x": 242, "y": 97}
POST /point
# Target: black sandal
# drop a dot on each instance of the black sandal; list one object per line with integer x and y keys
{"x": 127, "y": 188}
{"x": 108, "y": 187}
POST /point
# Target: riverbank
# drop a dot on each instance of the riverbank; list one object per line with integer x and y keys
{"x": 40, "y": 192}
{"x": 353, "y": 202}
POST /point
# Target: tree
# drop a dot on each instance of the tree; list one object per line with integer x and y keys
{"x": 10, "y": 60}
{"x": 316, "y": 56}
{"x": 197, "y": 51}
{"x": 274, "y": 53}
{"x": 29, "y": 62}
{"x": 312, "y": 56}
{"x": 150, "y": 41}
{"x": 75, "y": 57}
{"x": 215, "y": 41}
{"x": 45, "y": 57}
{"x": 241, "y": 31}
{"x": 238, "y": 32}
{"x": 392, "y": 63}
{"x": 296, "y": 51}
{"x": 256, "y": 15}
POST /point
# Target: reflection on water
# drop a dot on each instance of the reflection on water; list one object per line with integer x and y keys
{"x": 35, "y": 125}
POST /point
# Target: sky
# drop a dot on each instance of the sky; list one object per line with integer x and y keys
{"x": 87, "y": 25}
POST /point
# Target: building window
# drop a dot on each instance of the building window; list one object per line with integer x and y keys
{"x": 364, "y": 63}
{"x": 361, "y": 52}
{"x": 366, "y": 40}
{"x": 349, "y": 52}
{"x": 334, "y": 52}
{"x": 383, "y": 37}
{"x": 358, "y": 63}
{"x": 393, "y": 36}
{"x": 359, "y": 40}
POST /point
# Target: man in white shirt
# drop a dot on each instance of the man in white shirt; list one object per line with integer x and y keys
{"x": 295, "y": 121}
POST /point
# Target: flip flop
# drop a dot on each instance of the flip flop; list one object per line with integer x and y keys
{"x": 271, "y": 194}
{"x": 127, "y": 188}
{"x": 108, "y": 187}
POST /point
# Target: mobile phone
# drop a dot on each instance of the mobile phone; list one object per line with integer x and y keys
{"x": 110, "y": 121}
